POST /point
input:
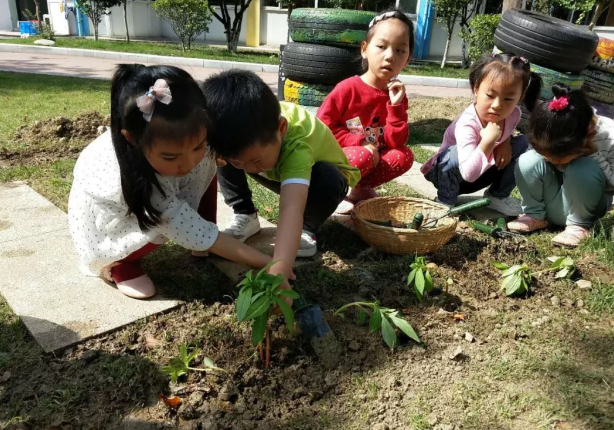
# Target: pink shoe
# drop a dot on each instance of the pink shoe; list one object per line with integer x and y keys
{"x": 359, "y": 194}
{"x": 526, "y": 224}
{"x": 138, "y": 288}
{"x": 571, "y": 237}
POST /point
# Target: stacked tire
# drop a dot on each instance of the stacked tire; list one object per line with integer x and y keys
{"x": 325, "y": 51}
{"x": 558, "y": 50}
{"x": 599, "y": 78}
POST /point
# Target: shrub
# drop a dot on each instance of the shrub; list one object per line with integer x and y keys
{"x": 480, "y": 35}
{"x": 188, "y": 18}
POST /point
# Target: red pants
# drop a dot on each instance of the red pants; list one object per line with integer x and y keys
{"x": 392, "y": 164}
{"x": 130, "y": 267}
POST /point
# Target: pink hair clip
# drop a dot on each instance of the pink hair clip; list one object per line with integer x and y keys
{"x": 160, "y": 92}
{"x": 559, "y": 103}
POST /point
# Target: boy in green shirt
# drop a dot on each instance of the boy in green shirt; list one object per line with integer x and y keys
{"x": 283, "y": 147}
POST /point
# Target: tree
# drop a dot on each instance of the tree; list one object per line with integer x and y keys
{"x": 188, "y": 18}
{"x": 39, "y": 16}
{"x": 511, "y": 4}
{"x": 125, "y": 9}
{"x": 232, "y": 27}
{"x": 448, "y": 12}
{"x": 585, "y": 7}
{"x": 96, "y": 9}
{"x": 480, "y": 35}
{"x": 468, "y": 10}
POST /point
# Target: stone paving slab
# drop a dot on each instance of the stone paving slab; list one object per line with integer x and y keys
{"x": 41, "y": 281}
{"x": 263, "y": 241}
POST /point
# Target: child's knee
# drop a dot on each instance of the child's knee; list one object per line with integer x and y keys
{"x": 585, "y": 172}
{"x": 359, "y": 157}
{"x": 531, "y": 163}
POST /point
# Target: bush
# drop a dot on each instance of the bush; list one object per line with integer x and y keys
{"x": 188, "y": 18}
{"x": 480, "y": 36}
{"x": 46, "y": 31}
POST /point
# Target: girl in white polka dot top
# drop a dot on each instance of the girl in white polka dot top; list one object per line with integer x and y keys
{"x": 147, "y": 180}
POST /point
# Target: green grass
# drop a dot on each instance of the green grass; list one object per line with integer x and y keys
{"x": 421, "y": 68}
{"x": 157, "y": 48}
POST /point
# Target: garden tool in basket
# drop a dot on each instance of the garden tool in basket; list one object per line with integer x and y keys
{"x": 455, "y": 211}
{"x": 309, "y": 318}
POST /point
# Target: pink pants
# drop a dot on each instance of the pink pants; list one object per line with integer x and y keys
{"x": 130, "y": 267}
{"x": 392, "y": 164}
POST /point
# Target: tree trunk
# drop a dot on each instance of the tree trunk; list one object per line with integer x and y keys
{"x": 126, "y": 20}
{"x": 39, "y": 17}
{"x": 511, "y": 4}
{"x": 95, "y": 30}
{"x": 232, "y": 40}
{"x": 445, "y": 52}
{"x": 465, "y": 55}
{"x": 597, "y": 14}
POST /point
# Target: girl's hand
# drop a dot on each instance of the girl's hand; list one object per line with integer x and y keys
{"x": 373, "y": 149}
{"x": 503, "y": 154}
{"x": 491, "y": 133}
{"x": 396, "y": 91}
{"x": 220, "y": 162}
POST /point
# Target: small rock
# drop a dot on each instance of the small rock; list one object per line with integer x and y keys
{"x": 432, "y": 421}
{"x": 556, "y": 302}
{"x": 354, "y": 346}
{"x": 101, "y": 129}
{"x": 62, "y": 139}
{"x": 228, "y": 393}
{"x": 188, "y": 413}
{"x": 330, "y": 379}
{"x": 584, "y": 285}
{"x": 469, "y": 337}
{"x": 380, "y": 426}
{"x": 209, "y": 424}
{"x": 457, "y": 353}
{"x": 431, "y": 266}
{"x": 450, "y": 281}
{"x": 404, "y": 279}
{"x": 457, "y": 337}
{"x": 458, "y": 368}
{"x": 91, "y": 355}
{"x": 44, "y": 42}
{"x": 492, "y": 296}
{"x": 567, "y": 303}
{"x": 584, "y": 311}
{"x": 356, "y": 369}
{"x": 5, "y": 377}
{"x": 443, "y": 312}
{"x": 444, "y": 427}
{"x": 196, "y": 399}
{"x": 580, "y": 304}
{"x": 498, "y": 325}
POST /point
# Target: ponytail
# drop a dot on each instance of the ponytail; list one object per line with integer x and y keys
{"x": 533, "y": 91}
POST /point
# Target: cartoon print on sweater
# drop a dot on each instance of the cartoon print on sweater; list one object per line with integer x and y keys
{"x": 373, "y": 134}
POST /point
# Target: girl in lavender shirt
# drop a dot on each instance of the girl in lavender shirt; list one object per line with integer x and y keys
{"x": 479, "y": 148}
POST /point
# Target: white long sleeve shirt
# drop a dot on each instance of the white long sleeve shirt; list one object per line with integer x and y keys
{"x": 604, "y": 141}
{"x": 100, "y": 228}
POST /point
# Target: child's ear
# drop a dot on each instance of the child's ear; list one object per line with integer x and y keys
{"x": 363, "y": 49}
{"x": 593, "y": 130}
{"x": 282, "y": 127}
{"x": 128, "y": 136}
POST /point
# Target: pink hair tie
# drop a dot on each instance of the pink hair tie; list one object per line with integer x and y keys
{"x": 559, "y": 103}
{"x": 160, "y": 92}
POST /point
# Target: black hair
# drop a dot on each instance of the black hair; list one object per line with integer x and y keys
{"x": 560, "y": 132}
{"x": 390, "y": 14}
{"x": 508, "y": 67}
{"x": 243, "y": 111}
{"x": 182, "y": 118}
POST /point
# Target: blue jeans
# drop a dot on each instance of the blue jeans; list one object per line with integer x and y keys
{"x": 446, "y": 175}
{"x": 575, "y": 195}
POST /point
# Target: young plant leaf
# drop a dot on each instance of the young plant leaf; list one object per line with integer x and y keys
{"x": 258, "y": 308}
{"x": 390, "y": 337}
{"x": 512, "y": 284}
{"x": 556, "y": 261}
{"x": 362, "y": 316}
{"x": 499, "y": 265}
{"x": 562, "y": 273}
{"x": 289, "y": 293}
{"x": 375, "y": 323}
{"x": 512, "y": 270}
{"x": 411, "y": 276}
{"x": 405, "y": 327}
{"x": 428, "y": 281}
{"x": 287, "y": 312}
{"x": 258, "y": 329}
{"x": 243, "y": 303}
{"x": 419, "y": 284}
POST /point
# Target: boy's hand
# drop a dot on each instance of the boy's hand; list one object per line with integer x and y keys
{"x": 278, "y": 269}
{"x": 491, "y": 133}
{"x": 503, "y": 154}
{"x": 396, "y": 91}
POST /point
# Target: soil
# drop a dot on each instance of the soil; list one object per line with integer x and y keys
{"x": 55, "y": 138}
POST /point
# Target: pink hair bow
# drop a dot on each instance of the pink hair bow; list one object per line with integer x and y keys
{"x": 559, "y": 103}
{"x": 160, "y": 92}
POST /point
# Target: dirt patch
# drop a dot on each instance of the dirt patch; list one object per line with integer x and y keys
{"x": 55, "y": 138}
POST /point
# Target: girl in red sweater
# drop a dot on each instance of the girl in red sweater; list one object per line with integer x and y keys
{"x": 368, "y": 113}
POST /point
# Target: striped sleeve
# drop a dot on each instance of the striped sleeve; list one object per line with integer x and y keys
{"x": 604, "y": 141}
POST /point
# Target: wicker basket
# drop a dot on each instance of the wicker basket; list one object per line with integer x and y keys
{"x": 402, "y": 210}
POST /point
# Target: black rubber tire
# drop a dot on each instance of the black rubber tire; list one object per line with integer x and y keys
{"x": 305, "y": 94}
{"x": 334, "y": 27}
{"x": 319, "y": 64}
{"x": 546, "y": 41}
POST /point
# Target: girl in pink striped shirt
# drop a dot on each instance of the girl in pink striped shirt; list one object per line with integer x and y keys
{"x": 479, "y": 148}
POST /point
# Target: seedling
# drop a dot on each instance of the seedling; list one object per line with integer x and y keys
{"x": 382, "y": 319}
{"x": 517, "y": 279}
{"x": 420, "y": 277}
{"x": 258, "y": 298}
{"x": 180, "y": 365}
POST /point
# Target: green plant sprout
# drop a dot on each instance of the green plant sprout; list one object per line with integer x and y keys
{"x": 382, "y": 319}
{"x": 517, "y": 279}
{"x": 258, "y": 297}
{"x": 421, "y": 277}
{"x": 180, "y": 365}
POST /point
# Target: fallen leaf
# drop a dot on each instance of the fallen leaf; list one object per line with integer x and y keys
{"x": 458, "y": 317}
{"x": 172, "y": 402}
{"x": 152, "y": 342}
{"x": 5, "y": 377}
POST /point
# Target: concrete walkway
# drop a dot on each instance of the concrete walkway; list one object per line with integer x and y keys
{"x": 101, "y": 68}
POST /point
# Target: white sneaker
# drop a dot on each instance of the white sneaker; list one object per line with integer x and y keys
{"x": 242, "y": 227}
{"x": 308, "y": 246}
{"x": 509, "y": 206}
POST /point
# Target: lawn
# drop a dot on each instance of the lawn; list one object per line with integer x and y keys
{"x": 544, "y": 361}
{"x": 171, "y": 49}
